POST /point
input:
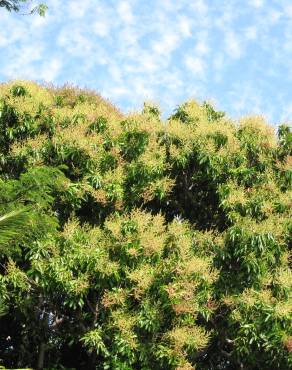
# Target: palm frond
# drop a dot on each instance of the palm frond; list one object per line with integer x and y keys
{"x": 12, "y": 223}
{"x": 3, "y": 309}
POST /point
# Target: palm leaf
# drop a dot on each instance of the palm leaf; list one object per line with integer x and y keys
{"x": 12, "y": 223}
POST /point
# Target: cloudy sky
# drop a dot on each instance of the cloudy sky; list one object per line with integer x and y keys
{"x": 234, "y": 53}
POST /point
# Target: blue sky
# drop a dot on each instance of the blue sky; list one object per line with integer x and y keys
{"x": 235, "y": 53}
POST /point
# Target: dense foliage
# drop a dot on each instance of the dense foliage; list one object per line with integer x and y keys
{"x": 129, "y": 242}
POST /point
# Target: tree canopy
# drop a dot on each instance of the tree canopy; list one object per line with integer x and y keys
{"x": 146, "y": 243}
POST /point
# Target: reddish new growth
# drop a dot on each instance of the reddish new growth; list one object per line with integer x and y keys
{"x": 288, "y": 344}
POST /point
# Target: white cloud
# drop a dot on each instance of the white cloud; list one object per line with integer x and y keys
{"x": 116, "y": 92}
{"x": 173, "y": 79}
{"x": 199, "y": 6}
{"x": 165, "y": 50}
{"x": 78, "y": 9}
{"x": 13, "y": 34}
{"x": 196, "y": 65}
{"x": 251, "y": 33}
{"x": 38, "y": 22}
{"x": 146, "y": 63}
{"x": 141, "y": 88}
{"x": 101, "y": 28}
{"x": 256, "y": 3}
{"x": 232, "y": 45}
{"x": 50, "y": 70}
{"x": 286, "y": 115}
{"x": 218, "y": 64}
{"x": 170, "y": 6}
{"x": 184, "y": 26}
{"x": 218, "y": 61}
{"x": 246, "y": 98}
{"x": 274, "y": 16}
{"x": 125, "y": 12}
{"x": 287, "y": 9}
{"x": 74, "y": 42}
{"x": 128, "y": 36}
{"x": 115, "y": 72}
{"x": 167, "y": 44}
{"x": 3, "y": 40}
{"x": 226, "y": 16}
{"x": 202, "y": 48}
